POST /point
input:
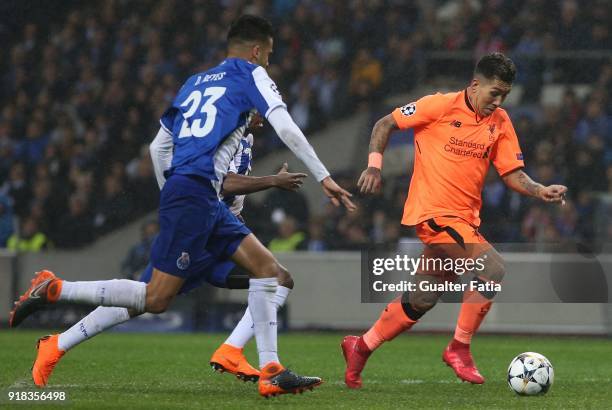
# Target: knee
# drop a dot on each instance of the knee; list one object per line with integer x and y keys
{"x": 284, "y": 278}
{"x": 422, "y": 306}
{"x": 157, "y": 303}
{"x": 420, "y": 302}
{"x": 494, "y": 270}
{"x": 268, "y": 269}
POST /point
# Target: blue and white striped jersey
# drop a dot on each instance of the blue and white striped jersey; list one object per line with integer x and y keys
{"x": 213, "y": 107}
{"x": 241, "y": 164}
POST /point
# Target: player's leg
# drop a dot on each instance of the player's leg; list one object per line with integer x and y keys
{"x": 187, "y": 215}
{"x": 46, "y": 288}
{"x": 50, "y": 349}
{"x": 229, "y": 356}
{"x": 264, "y": 270}
{"x": 476, "y": 304}
{"x": 459, "y": 239}
{"x": 99, "y": 320}
{"x": 399, "y": 316}
{"x": 243, "y": 332}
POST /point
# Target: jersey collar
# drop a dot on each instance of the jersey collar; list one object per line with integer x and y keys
{"x": 467, "y": 101}
{"x": 470, "y": 107}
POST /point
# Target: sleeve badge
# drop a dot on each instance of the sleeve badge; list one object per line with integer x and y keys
{"x": 408, "y": 109}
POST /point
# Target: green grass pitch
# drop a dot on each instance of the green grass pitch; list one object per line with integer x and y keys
{"x": 171, "y": 371}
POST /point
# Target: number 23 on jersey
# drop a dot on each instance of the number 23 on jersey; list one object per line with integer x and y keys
{"x": 198, "y": 110}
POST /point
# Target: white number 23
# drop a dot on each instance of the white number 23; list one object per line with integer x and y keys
{"x": 193, "y": 102}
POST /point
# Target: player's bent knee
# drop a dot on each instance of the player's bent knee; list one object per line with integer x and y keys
{"x": 420, "y": 303}
{"x": 157, "y": 304}
{"x": 269, "y": 269}
{"x": 421, "y": 306}
{"x": 494, "y": 269}
{"x": 284, "y": 278}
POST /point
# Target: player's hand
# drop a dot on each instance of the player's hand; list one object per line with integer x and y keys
{"x": 337, "y": 195}
{"x": 288, "y": 181}
{"x": 553, "y": 193}
{"x": 370, "y": 181}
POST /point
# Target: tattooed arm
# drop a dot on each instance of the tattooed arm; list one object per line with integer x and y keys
{"x": 381, "y": 132}
{"x": 520, "y": 182}
{"x": 370, "y": 180}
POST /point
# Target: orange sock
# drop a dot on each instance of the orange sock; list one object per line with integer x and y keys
{"x": 392, "y": 321}
{"x": 473, "y": 311}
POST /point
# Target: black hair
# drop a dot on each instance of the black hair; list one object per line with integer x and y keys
{"x": 250, "y": 28}
{"x": 496, "y": 65}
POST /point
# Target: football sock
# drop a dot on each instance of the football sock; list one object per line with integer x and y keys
{"x": 100, "y": 319}
{"x": 243, "y": 332}
{"x": 117, "y": 292}
{"x": 392, "y": 321}
{"x": 263, "y": 312}
{"x": 474, "y": 308}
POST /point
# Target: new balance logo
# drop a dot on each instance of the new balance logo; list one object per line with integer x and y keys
{"x": 455, "y": 123}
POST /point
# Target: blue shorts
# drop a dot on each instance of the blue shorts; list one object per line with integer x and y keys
{"x": 216, "y": 275}
{"x": 196, "y": 230}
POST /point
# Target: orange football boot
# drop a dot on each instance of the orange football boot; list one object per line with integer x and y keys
{"x": 275, "y": 380}
{"x": 228, "y": 358}
{"x": 47, "y": 357}
{"x": 45, "y": 288}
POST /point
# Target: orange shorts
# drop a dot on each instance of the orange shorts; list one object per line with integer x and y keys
{"x": 452, "y": 236}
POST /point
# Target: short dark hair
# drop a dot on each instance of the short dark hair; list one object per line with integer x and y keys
{"x": 496, "y": 65}
{"x": 250, "y": 28}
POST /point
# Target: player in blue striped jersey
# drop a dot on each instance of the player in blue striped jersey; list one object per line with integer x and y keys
{"x": 207, "y": 117}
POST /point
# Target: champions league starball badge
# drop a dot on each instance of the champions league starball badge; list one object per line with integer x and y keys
{"x": 408, "y": 109}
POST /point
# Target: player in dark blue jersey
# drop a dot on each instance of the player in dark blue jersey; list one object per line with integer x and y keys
{"x": 229, "y": 357}
{"x": 208, "y": 115}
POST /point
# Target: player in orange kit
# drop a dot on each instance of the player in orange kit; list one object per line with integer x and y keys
{"x": 457, "y": 136}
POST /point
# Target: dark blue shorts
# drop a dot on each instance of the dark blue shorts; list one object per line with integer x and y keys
{"x": 196, "y": 230}
{"x": 216, "y": 275}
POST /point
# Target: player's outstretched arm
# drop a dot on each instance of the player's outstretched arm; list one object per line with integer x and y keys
{"x": 295, "y": 140}
{"x": 370, "y": 181}
{"x": 237, "y": 184}
{"x": 520, "y": 182}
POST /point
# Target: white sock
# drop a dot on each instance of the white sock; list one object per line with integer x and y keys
{"x": 117, "y": 292}
{"x": 243, "y": 332}
{"x": 96, "y": 322}
{"x": 263, "y": 311}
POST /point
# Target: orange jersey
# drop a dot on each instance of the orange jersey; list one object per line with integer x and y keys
{"x": 453, "y": 149}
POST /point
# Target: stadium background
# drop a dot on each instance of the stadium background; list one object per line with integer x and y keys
{"x": 84, "y": 83}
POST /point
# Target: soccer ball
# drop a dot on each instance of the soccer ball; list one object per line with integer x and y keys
{"x": 530, "y": 373}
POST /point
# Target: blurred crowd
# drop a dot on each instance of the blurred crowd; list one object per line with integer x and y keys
{"x": 83, "y": 88}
